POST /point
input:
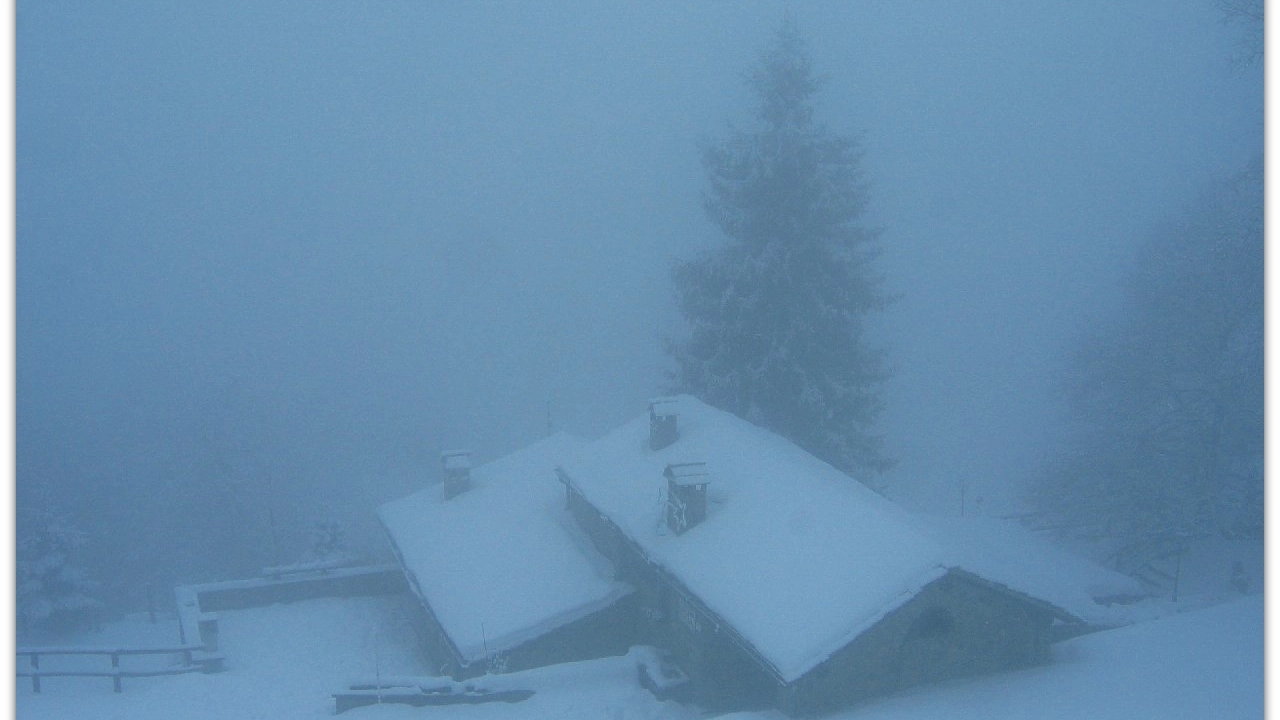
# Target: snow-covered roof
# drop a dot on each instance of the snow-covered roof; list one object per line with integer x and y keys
{"x": 502, "y": 562}
{"x": 797, "y": 556}
{"x": 1005, "y": 552}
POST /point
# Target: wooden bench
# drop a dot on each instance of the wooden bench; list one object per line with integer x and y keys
{"x": 440, "y": 691}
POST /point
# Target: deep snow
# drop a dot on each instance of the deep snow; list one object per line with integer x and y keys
{"x": 285, "y": 660}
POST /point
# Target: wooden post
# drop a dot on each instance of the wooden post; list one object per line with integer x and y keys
{"x": 151, "y": 603}
{"x": 1177, "y": 575}
{"x": 208, "y": 624}
{"x": 275, "y": 539}
{"x": 35, "y": 673}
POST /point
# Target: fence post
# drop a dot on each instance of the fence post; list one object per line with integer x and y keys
{"x": 1177, "y": 575}
{"x": 151, "y": 603}
{"x": 35, "y": 673}
{"x": 208, "y": 625}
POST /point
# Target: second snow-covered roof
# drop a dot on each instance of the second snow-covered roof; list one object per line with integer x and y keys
{"x": 502, "y": 562}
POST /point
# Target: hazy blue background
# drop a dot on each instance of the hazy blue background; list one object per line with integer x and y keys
{"x": 277, "y": 256}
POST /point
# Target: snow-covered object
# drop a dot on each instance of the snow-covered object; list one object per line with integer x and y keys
{"x": 501, "y": 563}
{"x": 456, "y": 460}
{"x": 799, "y": 558}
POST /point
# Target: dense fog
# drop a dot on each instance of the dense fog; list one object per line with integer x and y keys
{"x": 273, "y": 259}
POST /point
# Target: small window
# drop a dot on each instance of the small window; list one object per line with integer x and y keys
{"x": 933, "y": 623}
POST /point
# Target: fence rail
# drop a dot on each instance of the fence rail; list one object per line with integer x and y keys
{"x": 198, "y": 627}
{"x": 191, "y": 662}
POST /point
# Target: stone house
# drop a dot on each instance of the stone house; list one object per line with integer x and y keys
{"x": 772, "y": 579}
{"x": 763, "y": 576}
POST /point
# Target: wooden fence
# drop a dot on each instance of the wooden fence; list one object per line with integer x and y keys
{"x": 198, "y": 627}
{"x": 194, "y": 659}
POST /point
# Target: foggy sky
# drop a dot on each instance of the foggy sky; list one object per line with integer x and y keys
{"x": 323, "y": 241}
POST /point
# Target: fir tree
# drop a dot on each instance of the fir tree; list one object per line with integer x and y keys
{"x": 777, "y": 315}
{"x": 52, "y": 590}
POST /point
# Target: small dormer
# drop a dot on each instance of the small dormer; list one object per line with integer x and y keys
{"x": 686, "y": 495}
{"x": 662, "y": 422}
{"x": 457, "y": 472}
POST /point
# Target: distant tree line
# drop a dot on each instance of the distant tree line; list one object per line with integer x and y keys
{"x": 1165, "y": 403}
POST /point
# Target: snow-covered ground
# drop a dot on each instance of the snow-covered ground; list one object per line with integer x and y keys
{"x": 284, "y": 661}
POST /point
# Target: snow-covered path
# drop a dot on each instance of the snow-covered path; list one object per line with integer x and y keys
{"x": 285, "y": 660}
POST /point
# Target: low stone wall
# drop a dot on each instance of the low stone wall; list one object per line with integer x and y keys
{"x": 604, "y": 633}
{"x": 197, "y": 604}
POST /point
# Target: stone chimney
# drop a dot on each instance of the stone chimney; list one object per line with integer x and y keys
{"x": 662, "y": 422}
{"x": 686, "y": 495}
{"x": 457, "y": 472}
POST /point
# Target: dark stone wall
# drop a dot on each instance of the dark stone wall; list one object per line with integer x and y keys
{"x": 955, "y": 627}
{"x": 605, "y": 536}
{"x": 338, "y": 583}
{"x": 725, "y": 675}
{"x": 610, "y": 631}
{"x": 439, "y": 651}
{"x": 441, "y": 654}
